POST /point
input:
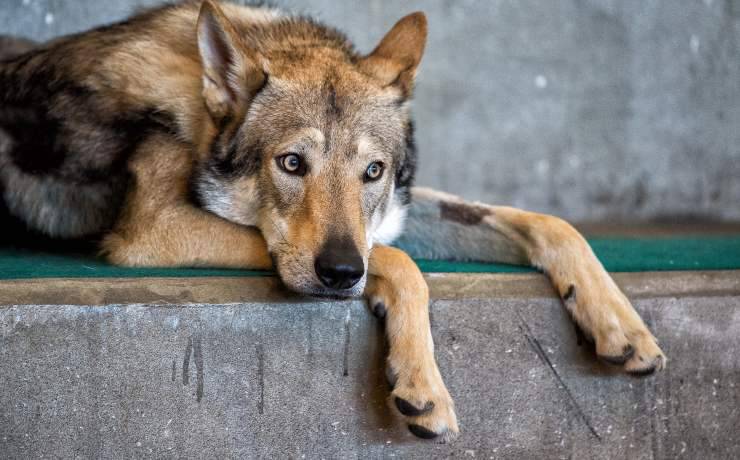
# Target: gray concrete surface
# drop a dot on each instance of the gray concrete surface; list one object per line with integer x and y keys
{"x": 291, "y": 378}
{"x": 583, "y": 108}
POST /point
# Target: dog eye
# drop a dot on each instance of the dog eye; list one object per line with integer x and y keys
{"x": 374, "y": 171}
{"x": 292, "y": 164}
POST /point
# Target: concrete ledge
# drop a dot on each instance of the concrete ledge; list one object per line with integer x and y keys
{"x": 224, "y": 290}
{"x": 235, "y": 367}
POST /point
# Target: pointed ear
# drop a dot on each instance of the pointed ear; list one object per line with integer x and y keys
{"x": 232, "y": 73}
{"x": 395, "y": 59}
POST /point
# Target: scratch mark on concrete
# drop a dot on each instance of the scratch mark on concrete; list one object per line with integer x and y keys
{"x": 537, "y": 348}
{"x": 345, "y": 359}
{"x": 199, "y": 372}
{"x": 261, "y": 379}
{"x": 186, "y": 362}
{"x": 174, "y": 369}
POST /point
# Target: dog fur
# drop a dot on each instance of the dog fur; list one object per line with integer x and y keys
{"x": 211, "y": 134}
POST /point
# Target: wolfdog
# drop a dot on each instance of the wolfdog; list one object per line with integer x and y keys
{"x": 205, "y": 133}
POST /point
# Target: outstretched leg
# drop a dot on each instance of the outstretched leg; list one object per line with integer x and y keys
{"x": 396, "y": 291}
{"x": 440, "y": 225}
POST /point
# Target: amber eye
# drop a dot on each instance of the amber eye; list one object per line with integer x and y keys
{"x": 292, "y": 164}
{"x": 374, "y": 171}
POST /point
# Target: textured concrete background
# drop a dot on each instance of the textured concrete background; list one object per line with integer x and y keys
{"x": 589, "y": 109}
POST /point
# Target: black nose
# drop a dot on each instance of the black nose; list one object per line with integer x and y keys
{"x": 339, "y": 265}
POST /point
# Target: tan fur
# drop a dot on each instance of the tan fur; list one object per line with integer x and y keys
{"x": 592, "y": 298}
{"x": 596, "y": 303}
{"x": 158, "y": 228}
{"x": 399, "y": 286}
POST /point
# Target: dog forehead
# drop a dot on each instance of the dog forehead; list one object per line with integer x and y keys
{"x": 342, "y": 111}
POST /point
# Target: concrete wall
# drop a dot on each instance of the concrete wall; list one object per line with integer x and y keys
{"x": 589, "y": 109}
{"x": 291, "y": 378}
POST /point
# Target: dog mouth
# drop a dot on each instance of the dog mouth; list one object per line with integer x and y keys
{"x": 296, "y": 277}
{"x": 313, "y": 289}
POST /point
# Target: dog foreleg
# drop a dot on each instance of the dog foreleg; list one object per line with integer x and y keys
{"x": 440, "y": 225}
{"x": 397, "y": 292}
{"x": 184, "y": 236}
{"x": 158, "y": 227}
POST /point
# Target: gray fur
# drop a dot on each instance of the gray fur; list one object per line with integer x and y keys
{"x": 54, "y": 207}
{"x": 428, "y": 236}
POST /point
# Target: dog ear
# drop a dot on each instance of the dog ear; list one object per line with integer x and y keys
{"x": 232, "y": 72}
{"x": 395, "y": 59}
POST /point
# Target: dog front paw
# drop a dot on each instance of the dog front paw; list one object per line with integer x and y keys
{"x": 422, "y": 399}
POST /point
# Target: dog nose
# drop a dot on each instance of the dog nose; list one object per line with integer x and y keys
{"x": 339, "y": 265}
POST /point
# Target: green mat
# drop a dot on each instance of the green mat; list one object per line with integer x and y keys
{"x": 617, "y": 255}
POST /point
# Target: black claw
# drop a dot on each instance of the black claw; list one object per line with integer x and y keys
{"x": 379, "y": 310}
{"x": 627, "y": 353}
{"x": 643, "y": 372}
{"x": 421, "y": 432}
{"x": 409, "y": 410}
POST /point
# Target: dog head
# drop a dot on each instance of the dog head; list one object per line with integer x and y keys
{"x": 312, "y": 142}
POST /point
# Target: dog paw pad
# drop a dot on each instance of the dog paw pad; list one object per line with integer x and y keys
{"x": 409, "y": 410}
{"x": 421, "y": 432}
{"x": 627, "y": 352}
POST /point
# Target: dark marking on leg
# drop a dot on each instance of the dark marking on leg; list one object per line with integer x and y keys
{"x": 570, "y": 294}
{"x": 462, "y": 213}
{"x": 186, "y": 362}
{"x": 408, "y": 409}
{"x": 379, "y": 310}
{"x": 198, "y": 355}
{"x": 421, "y": 432}
{"x": 261, "y": 379}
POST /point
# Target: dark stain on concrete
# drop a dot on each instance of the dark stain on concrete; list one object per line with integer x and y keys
{"x": 174, "y": 369}
{"x": 199, "y": 371}
{"x": 186, "y": 362}
{"x": 462, "y": 213}
{"x": 261, "y": 379}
